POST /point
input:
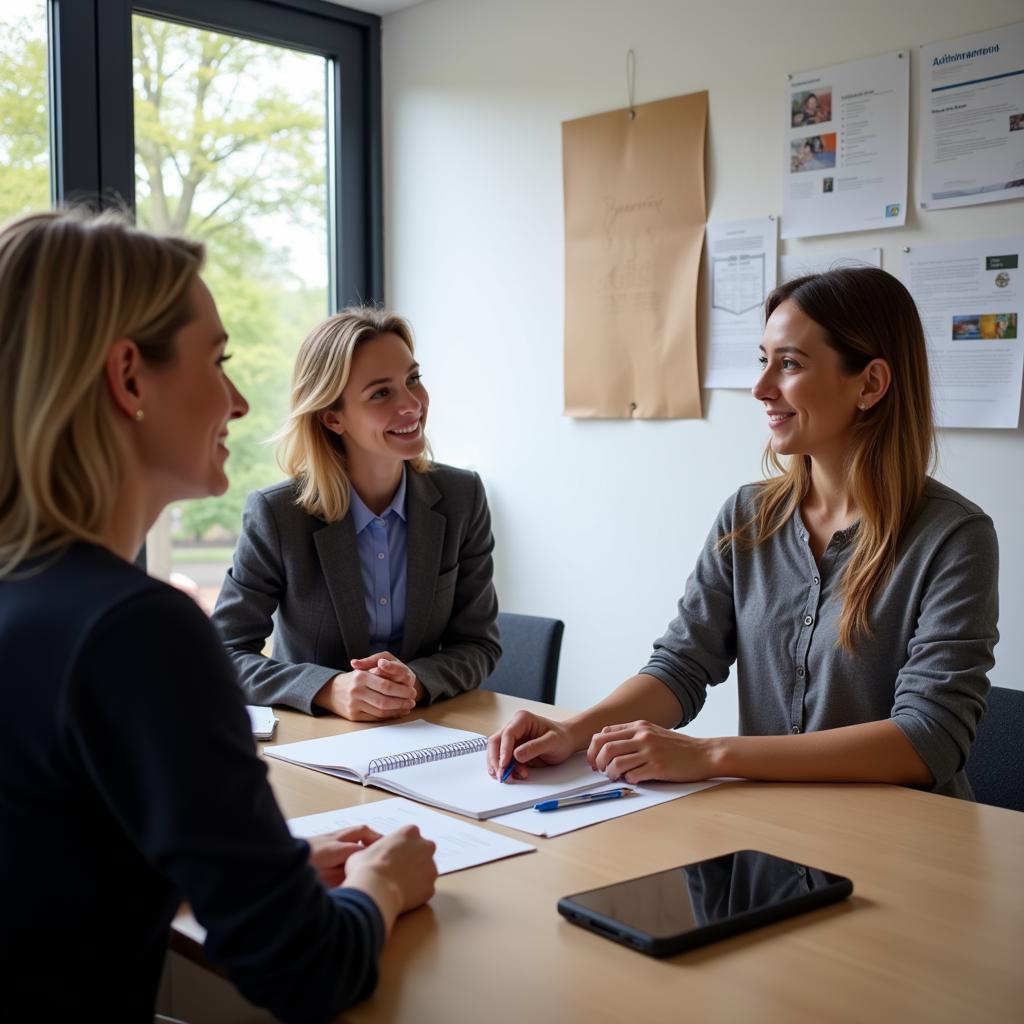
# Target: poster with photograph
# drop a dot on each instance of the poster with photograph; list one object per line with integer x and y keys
{"x": 971, "y": 298}
{"x": 741, "y": 261}
{"x": 797, "y": 264}
{"x": 971, "y": 143}
{"x": 845, "y": 157}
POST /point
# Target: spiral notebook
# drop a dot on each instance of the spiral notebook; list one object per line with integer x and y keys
{"x": 435, "y": 765}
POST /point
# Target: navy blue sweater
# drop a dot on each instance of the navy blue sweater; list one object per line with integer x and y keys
{"x": 129, "y": 782}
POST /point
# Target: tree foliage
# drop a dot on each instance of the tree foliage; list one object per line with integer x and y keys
{"x": 24, "y": 128}
{"x": 221, "y": 146}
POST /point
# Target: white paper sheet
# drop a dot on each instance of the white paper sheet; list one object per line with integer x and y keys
{"x": 741, "y": 270}
{"x": 971, "y": 297}
{"x": 845, "y": 158}
{"x": 797, "y": 264}
{"x": 568, "y": 819}
{"x": 971, "y": 140}
{"x": 459, "y": 844}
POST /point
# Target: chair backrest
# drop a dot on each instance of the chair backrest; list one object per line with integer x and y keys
{"x": 996, "y": 763}
{"x": 528, "y": 667}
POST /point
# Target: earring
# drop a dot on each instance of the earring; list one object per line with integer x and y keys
{"x": 139, "y": 415}
{"x": 860, "y": 405}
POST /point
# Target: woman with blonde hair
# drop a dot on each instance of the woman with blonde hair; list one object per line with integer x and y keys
{"x": 375, "y": 560}
{"x": 122, "y": 719}
{"x": 856, "y": 596}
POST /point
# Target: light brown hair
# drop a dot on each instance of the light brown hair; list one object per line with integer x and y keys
{"x": 70, "y": 284}
{"x": 866, "y": 314}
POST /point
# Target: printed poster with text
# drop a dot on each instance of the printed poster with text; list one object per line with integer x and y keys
{"x": 971, "y": 143}
{"x": 971, "y": 296}
{"x": 845, "y": 156}
{"x": 741, "y": 262}
{"x": 634, "y": 230}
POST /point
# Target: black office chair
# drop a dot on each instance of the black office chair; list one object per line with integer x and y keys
{"x": 529, "y": 661}
{"x": 996, "y": 763}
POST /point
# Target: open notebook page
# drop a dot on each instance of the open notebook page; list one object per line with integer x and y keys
{"x": 461, "y": 784}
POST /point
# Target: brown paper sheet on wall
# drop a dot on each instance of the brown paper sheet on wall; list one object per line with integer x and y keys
{"x": 634, "y": 231}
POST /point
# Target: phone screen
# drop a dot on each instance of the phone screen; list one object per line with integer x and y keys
{"x": 741, "y": 889}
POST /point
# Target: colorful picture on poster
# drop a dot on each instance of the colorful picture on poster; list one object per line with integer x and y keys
{"x": 812, "y": 153}
{"x": 985, "y": 327}
{"x": 811, "y": 107}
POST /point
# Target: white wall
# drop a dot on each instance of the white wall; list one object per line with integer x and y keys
{"x": 598, "y": 523}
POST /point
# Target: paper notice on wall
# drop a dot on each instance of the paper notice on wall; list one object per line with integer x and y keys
{"x": 797, "y": 264}
{"x": 971, "y": 141}
{"x": 971, "y": 297}
{"x": 845, "y": 159}
{"x": 634, "y": 230}
{"x": 741, "y": 261}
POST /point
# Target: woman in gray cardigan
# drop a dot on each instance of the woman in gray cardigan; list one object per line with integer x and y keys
{"x": 371, "y": 564}
{"x": 856, "y": 595}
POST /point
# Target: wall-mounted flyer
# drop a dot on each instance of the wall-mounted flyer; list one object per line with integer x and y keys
{"x": 845, "y": 156}
{"x": 971, "y": 299}
{"x": 741, "y": 262}
{"x": 971, "y": 145}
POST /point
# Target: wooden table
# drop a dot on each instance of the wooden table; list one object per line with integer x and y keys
{"x": 934, "y": 931}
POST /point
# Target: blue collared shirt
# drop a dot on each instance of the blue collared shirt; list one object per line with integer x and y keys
{"x": 382, "y": 542}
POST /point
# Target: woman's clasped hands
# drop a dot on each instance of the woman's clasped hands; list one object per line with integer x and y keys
{"x": 378, "y": 687}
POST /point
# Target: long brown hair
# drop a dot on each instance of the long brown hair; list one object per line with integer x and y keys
{"x": 866, "y": 314}
{"x": 70, "y": 284}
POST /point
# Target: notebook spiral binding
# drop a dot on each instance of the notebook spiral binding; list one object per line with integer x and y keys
{"x": 426, "y": 755}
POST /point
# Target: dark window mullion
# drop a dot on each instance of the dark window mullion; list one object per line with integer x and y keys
{"x": 74, "y": 123}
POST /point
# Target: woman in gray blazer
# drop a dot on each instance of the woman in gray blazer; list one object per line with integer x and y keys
{"x": 371, "y": 564}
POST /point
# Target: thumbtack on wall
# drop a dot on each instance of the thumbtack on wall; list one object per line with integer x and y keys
{"x": 906, "y": 248}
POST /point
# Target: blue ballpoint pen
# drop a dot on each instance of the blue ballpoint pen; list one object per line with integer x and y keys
{"x": 508, "y": 770}
{"x": 583, "y": 798}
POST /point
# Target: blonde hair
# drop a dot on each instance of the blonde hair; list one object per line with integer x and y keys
{"x": 70, "y": 284}
{"x": 307, "y": 451}
{"x": 866, "y": 314}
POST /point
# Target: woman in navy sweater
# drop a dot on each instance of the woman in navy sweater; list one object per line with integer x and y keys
{"x": 128, "y": 776}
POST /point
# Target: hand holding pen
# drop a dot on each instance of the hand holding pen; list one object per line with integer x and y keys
{"x": 528, "y": 740}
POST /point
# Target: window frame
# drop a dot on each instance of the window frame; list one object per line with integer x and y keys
{"x": 92, "y": 125}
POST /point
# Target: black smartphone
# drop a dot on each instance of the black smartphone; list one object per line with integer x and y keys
{"x": 682, "y": 908}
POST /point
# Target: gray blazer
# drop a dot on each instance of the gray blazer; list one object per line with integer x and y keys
{"x": 300, "y": 577}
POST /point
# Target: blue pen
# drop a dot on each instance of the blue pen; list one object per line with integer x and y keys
{"x": 508, "y": 770}
{"x": 583, "y": 798}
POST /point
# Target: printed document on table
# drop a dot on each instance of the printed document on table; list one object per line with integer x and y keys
{"x": 568, "y": 819}
{"x": 459, "y": 844}
{"x": 845, "y": 156}
{"x": 971, "y": 296}
{"x": 971, "y": 138}
{"x": 793, "y": 265}
{"x": 741, "y": 262}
